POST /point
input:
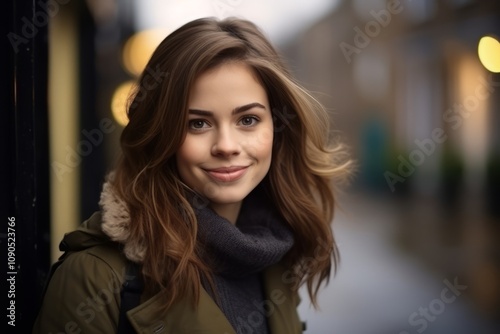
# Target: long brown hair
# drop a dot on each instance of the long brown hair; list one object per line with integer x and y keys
{"x": 300, "y": 177}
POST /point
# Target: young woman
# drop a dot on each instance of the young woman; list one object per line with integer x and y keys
{"x": 223, "y": 197}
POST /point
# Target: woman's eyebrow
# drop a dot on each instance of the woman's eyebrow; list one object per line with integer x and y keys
{"x": 200, "y": 112}
{"x": 247, "y": 107}
{"x": 235, "y": 111}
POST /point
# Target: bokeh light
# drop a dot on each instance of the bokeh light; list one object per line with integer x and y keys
{"x": 139, "y": 48}
{"x": 119, "y": 102}
{"x": 489, "y": 53}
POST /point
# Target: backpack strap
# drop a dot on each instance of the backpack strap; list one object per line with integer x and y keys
{"x": 130, "y": 296}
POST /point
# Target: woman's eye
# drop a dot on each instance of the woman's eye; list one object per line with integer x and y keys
{"x": 197, "y": 124}
{"x": 249, "y": 120}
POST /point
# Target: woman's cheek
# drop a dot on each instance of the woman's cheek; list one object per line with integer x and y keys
{"x": 259, "y": 144}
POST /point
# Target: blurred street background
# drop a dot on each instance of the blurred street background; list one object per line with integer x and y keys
{"x": 413, "y": 89}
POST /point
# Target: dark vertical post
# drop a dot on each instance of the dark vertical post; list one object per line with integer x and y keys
{"x": 92, "y": 167}
{"x": 25, "y": 167}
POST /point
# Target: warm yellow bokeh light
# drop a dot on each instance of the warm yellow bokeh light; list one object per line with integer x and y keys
{"x": 139, "y": 48}
{"x": 119, "y": 102}
{"x": 489, "y": 53}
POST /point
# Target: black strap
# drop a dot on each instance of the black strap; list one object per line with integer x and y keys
{"x": 130, "y": 296}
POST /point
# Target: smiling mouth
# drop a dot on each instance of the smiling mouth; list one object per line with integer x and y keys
{"x": 227, "y": 174}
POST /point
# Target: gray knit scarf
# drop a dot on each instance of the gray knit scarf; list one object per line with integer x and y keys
{"x": 239, "y": 253}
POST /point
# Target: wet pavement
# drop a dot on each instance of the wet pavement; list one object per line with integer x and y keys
{"x": 381, "y": 289}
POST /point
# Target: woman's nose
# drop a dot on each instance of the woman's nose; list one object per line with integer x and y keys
{"x": 226, "y": 143}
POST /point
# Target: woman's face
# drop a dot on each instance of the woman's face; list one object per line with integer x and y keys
{"x": 228, "y": 146}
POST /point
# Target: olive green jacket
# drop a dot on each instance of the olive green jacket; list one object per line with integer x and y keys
{"x": 83, "y": 295}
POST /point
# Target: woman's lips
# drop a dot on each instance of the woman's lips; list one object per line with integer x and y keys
{"x": 227, "y": 174}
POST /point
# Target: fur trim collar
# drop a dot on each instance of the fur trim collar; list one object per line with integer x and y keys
{"x": 116, "y": 223}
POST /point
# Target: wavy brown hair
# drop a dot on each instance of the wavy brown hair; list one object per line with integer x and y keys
{"x": 300, "y": 177}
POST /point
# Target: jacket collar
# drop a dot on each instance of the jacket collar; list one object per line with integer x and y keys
{"x": 116, "y": 223}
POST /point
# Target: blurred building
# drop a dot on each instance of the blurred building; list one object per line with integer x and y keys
{"x": 409, "y": 93}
